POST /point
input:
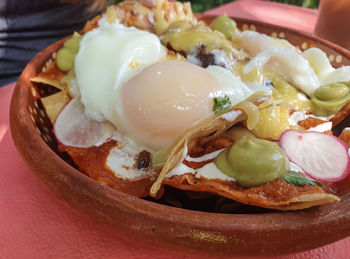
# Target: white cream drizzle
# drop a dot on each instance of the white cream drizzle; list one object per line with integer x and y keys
{"x": 210, "y": 171}
{"x": 205, "y": 157}
{"x": 122, "y": 164}
{"x": 321, "y": 118}
{"x": 180, "y": 168}
{"x": 322, "y": 127}
{"x": 296, "y": 117}
{"x": 300, "y": 116}
{"x": 221, "y": 58}
{"x": 122, "y": 159}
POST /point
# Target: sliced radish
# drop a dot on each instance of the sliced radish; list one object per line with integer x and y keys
{"x": 74, "y": 128}
{"x": 322, "y": 157}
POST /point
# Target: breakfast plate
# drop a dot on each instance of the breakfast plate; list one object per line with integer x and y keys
{"x": 161, "y": 223}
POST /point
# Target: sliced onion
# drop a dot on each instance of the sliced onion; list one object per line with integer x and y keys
{"x": 252, "y": 112}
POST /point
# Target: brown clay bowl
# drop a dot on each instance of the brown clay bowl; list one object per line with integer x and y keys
{"x": 163, "y": 226}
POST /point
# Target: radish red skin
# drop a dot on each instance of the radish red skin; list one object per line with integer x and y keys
{"x": 335, "y": 143}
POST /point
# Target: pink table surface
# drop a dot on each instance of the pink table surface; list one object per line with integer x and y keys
{"x": 36, "y": 224}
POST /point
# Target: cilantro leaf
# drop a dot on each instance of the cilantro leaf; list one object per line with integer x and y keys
{"x": 299, "y": 180}
{"x": 221, "y": 103}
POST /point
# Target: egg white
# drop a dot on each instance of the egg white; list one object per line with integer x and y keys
{"x": 108, "y": 56}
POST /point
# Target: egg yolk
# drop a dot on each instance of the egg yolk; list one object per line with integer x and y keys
{"x": 164, "y": 100}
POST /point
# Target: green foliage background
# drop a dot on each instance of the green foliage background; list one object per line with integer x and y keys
{"x": 199, "y": 6}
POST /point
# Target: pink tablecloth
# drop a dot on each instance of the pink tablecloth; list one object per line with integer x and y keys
{"x": 36, "y": 224}
{"x": 289, "y": 16}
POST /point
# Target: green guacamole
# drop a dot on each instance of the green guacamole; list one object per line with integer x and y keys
{"x": 225, "y": 25}
{"x": 65, "y": 56}
{"x": 329, "y": 99}
{"x": 253, "y": 162}
{"x": 189, "y": 40}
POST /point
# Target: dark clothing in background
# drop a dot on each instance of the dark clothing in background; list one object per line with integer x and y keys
{"x": 28, "y": 26}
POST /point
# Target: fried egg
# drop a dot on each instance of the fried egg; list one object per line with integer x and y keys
{"x": 123, "y": 77}
{"x": 253, "y": 42}
{"x": 108, "y": 56}
{"x": 290, "y": 64}
{"x": 165, "y": 99}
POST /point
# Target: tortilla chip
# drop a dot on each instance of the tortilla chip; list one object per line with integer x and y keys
{"x": 204, "y": 132}
{"x": 278, "y": 194}
{"x": 51, "y": 75}
{"x": 92, "y": 161}
{"x": 53, "y": 104}
{"x": 92, "y": 24}
{"x": 309, "y": 200}
{"x": 208, "y": 130}
{"x": 341, "y": 115}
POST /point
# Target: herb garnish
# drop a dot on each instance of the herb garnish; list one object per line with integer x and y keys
{"x": 221, "y": 103}
{"x": 299, "y": 180}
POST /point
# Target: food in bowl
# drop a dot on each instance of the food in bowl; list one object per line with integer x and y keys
{"x": 152, "y": 97}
